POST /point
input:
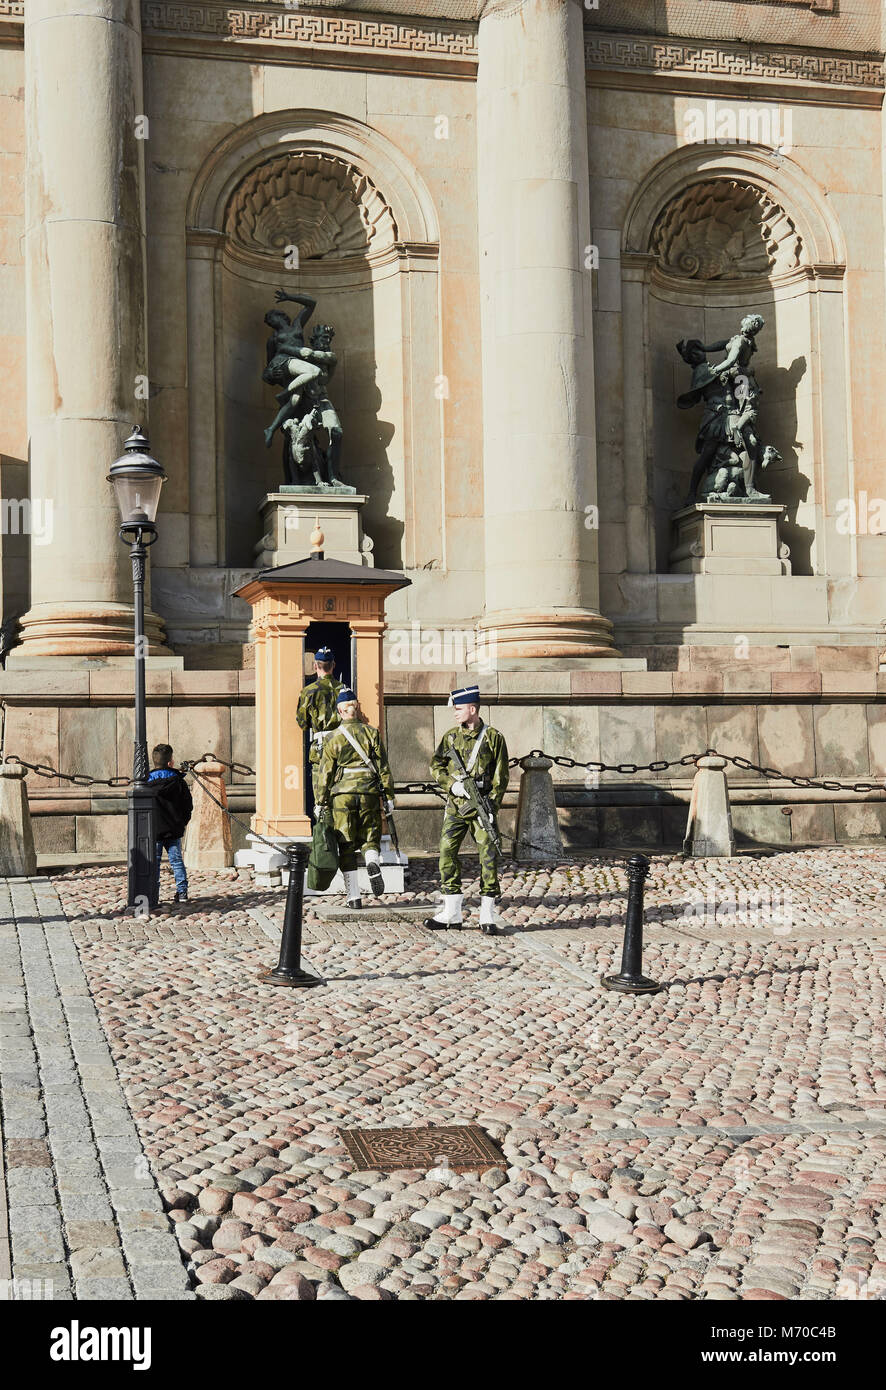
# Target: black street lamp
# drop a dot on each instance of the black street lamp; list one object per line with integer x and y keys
{"x": 137, "y": 480}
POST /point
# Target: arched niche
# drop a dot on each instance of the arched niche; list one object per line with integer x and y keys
{"x": 367, "y": 244}
{"x": 712, "y": 235}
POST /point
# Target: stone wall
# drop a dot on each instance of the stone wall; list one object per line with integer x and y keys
{"x": 825, "y": 718}
{"x": 808, "y": 719}
{"x": 82, "y": 722}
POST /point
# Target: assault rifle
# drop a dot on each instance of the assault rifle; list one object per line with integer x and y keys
{"x": 479, "y": 803}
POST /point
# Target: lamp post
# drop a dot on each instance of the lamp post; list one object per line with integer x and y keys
{"x": 137, "y": 480}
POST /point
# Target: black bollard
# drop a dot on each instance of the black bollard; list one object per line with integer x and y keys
{"x": 288, "y": 969}
{"x": 630, "y": 979}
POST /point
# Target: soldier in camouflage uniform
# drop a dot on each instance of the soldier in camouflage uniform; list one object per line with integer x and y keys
{"x": 353, "y": 776}
{"x": 317, "y": 710}
{"x": 485, "y": 756}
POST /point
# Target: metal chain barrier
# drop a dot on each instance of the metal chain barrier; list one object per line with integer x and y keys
{"x": 558, "y": 759}
{"x": 768, "y": 772}
{"x": 188, "y": 768}
{"x": 78, "y": 779}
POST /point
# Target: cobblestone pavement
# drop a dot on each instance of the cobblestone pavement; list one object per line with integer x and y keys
{"x": 724, "y": 1139}
{"x": 85, "y": 1218}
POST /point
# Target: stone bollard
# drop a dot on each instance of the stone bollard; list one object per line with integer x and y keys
{"x": 709, "y": 827}
{"x": 208, "y": 842}
{"x": 538, "y": 829}
{"x": 17, "y": 855}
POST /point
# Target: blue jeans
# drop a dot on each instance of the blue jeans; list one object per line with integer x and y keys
{"x": 176, "y": 863}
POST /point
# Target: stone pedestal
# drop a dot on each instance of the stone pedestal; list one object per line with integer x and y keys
{"x": 709, "y": 832}
{"x": 538, "y": 828}
{"x": 208, "y": 836}
{"x": 728, "y": 538}
{"x": 17, "y": 857}
{"x": 289, "y": 516}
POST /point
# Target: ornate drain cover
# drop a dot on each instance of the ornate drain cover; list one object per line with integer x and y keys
{"x": 463, "y": 1148}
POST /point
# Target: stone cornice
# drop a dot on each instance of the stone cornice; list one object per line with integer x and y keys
{"x": 12, "y": 21}
{"x": 742, "y": 62}
{"x": 337, "y": 37}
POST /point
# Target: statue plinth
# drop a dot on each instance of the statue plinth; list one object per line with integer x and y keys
{"x": 738, "y": 537}
{"x": 289, "y": 516}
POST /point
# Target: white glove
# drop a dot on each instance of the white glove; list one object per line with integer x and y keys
{"x": 316, "y": 813}
{"x": 459, "y": 789}
{"x": 389, "y": 806}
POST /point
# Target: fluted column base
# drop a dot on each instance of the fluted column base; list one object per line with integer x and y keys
{"x": 518, "y": 634}
{"x": 80, "y": 629}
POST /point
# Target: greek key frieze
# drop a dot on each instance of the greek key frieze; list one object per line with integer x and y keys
{"x": 282, "y": 25}
{"x": 612, "y": 51}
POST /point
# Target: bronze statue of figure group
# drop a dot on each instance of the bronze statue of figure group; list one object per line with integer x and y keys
{"x": 729, "y": 450}
{"x": 306, "y": 413}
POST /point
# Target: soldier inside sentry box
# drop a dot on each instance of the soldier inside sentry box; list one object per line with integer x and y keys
{"x": 475, "y": 751}
{"x": 317, "y": 710}
{"x": 354, "y": 778}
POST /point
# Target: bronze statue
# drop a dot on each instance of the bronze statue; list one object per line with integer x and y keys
{"x": 305, "y": 408}
{"x": 728, "y": 446}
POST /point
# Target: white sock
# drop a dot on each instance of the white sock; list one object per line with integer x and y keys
{"x": 371, "y": 856}
{"x": 487, "y": 912}
{"x": 351, "y": 889}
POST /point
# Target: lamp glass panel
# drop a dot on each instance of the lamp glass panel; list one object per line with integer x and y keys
{"x": 138, "y": 496}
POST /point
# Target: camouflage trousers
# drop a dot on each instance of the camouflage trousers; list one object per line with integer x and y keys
{"x": 315, "y": 773}
{"x": 356, "y": 820}
{"x": 455, "y": 828}
{"x": 314, "y": 759}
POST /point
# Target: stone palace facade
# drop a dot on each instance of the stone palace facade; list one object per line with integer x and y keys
{"x": 510, "y": 211}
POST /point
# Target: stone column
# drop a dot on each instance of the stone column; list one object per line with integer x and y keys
{"x": 206, "y": 548}
{"x": 539, "y": 470}
{"x": 85, "y": 279}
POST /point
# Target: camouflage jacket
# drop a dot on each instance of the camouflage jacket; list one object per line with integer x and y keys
{"x": 317, "y": 710}
{"x": 490, "y": 771}
{"x": 343, "y": 771}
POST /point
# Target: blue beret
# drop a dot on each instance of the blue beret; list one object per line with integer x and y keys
{"x": 324, "y": 654}
{"x": 345, "y": 694}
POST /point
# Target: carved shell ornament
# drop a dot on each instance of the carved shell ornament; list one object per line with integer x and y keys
{"x": 324, "y": 206}
{"x": 725, "y": 229}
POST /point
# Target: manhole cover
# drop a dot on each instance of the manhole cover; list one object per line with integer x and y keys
{"x": 462, "y": 1148}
